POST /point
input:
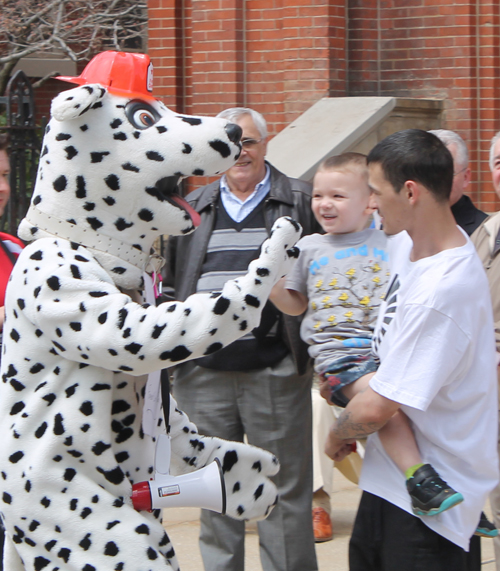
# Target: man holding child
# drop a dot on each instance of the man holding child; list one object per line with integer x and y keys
{"x": 434, "y": 340}
{"x": 339, "y": 280}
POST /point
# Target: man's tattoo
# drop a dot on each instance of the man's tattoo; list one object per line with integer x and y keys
{"x": 346, "y": 428}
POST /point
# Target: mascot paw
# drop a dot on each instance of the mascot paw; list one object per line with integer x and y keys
{"x": 250, "y": 493}
{"x": 279, "y": 250}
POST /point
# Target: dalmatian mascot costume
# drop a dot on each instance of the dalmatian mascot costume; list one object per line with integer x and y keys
{"x": 79, "y": 344}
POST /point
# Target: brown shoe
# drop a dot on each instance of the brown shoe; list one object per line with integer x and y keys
{"x": 322, "y": 525}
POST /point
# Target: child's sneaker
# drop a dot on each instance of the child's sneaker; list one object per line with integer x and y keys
{"x": 430, "y": 495}
{"x": 485, "y": 528}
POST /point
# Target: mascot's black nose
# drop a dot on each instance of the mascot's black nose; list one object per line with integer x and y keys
{"x": 233, "y": 132}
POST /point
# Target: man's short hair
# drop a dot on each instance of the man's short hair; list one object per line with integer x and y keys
{"x": 4, "y": 141}
{"x": 492, "y": 149}
{"x": 452, "y": 138}
{"x": 415, "y": 155}
{"x": 234, "y": 113}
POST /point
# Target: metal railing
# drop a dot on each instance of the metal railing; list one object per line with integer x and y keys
{"x": 24, "y": 148}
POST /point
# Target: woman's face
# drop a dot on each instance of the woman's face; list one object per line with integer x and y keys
{"x": 4, "y": 181}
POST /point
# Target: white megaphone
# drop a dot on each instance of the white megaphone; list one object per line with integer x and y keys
{"x": 202, "y": 488}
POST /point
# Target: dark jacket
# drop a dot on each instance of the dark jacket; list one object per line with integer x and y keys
{"x": 185, "y": 254}
{"x": 467, "y": 216}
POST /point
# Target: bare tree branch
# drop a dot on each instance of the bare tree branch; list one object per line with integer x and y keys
{"x": 43, "y": 79}
{"x": 78, "y": 28}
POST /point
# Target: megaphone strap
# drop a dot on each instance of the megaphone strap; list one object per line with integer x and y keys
{"x": 165, "y": 397}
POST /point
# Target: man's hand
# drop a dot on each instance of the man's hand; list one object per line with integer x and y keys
{"x": 336, "y": 448}
{"x": 325, "y": 390}
{"x": 366, "y": 413}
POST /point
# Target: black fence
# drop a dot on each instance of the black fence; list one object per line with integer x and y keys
{"x": 24, "y": 148}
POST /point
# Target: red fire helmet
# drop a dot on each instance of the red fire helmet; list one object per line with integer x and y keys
{"x": 122, "y": 73}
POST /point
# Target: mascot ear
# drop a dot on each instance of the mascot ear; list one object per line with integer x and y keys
{"x": 73, "y": 103}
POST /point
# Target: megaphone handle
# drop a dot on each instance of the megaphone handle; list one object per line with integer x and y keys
{"x": 222, "y": 487}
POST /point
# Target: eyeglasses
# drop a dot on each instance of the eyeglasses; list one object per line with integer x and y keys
{"x": 250, "y": 143}
{"x": 460, "y": 172}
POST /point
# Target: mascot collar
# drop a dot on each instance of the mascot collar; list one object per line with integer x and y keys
{"x": 93, "y": 240}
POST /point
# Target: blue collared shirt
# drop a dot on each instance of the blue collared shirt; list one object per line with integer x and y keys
{"x": 239, "y": 209}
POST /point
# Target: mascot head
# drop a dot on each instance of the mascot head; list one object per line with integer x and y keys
{"x": 111, "y": 160}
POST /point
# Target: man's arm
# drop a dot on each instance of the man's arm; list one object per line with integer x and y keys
{"x": 366, "y": 413}
{"x": 286, "y": 300}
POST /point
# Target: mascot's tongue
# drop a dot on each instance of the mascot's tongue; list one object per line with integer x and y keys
{"x": 195, "y": 217}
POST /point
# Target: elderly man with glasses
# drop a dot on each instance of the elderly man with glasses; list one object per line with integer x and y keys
{"x": 260, "y": 386}
{"x": 466, "y": 214}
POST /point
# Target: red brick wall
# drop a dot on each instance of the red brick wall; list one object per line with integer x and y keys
{"x": 487, "y": 94}
{"x": 362, "y": 47}
{"x": 164, "y": 40}
{"x": 442, "y": 50}
{"x": 282, "y": 56}
{"x": 275, "y": 56}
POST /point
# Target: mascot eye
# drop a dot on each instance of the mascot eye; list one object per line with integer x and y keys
{"x": 141, "y": 115}
{"x": 144, "y": 118}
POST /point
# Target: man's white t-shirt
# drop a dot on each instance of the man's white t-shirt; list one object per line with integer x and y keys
{"x": 434, "y": 337}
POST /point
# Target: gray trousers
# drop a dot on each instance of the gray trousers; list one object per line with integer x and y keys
{"x": 272, "y": 407}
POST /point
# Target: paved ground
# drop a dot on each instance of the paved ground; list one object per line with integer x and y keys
{"x": 182, "y": 526}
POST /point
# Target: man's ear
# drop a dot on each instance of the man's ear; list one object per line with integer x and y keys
{"x": 372, "y": 204}
{"x": 467, "y": 177}
{"x": 412, "y": 191}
